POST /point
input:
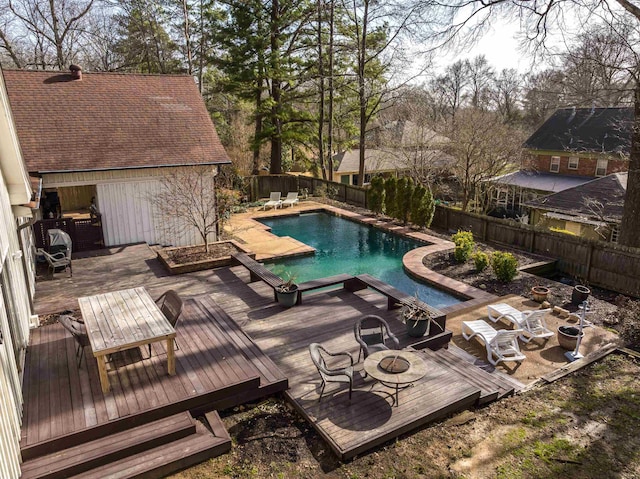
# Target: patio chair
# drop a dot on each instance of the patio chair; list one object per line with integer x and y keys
{"x": 79, "y": 333}
{"x": 335, "y": 375}
{"x": 61, "y": 259}
{"x": 503, "y": 343}
{"x": 291, "y": 199}
{"x": 373, "y": 334}
{"x": 274, "y": 201}
{"x": 170, "y": 304}
{"x": 531, "y": 322}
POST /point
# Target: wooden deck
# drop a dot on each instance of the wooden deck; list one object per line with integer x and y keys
{"x": 369, "y": 420}
{"x": 217, "y": 366}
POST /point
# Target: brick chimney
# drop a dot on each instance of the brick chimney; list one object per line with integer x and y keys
{"x": 76, "y": 72}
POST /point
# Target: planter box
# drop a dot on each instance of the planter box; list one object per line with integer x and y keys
{"x": 181, "y": 268}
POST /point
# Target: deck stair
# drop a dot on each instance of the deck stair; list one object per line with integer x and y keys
{"x": 154, "y": 448}
{"x": 492, "y": 386}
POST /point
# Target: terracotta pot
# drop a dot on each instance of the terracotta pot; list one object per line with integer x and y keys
{"x": 539, "y": 293}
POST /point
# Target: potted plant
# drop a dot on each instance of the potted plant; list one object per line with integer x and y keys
{"x": 568, "y": 337}
{"x": 580, "y": 293}
{"x": 540, "y": 293}
{"x": 416, "y": 318}
{"x": 287, "y": 292}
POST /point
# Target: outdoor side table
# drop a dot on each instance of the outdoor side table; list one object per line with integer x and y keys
{"x": 409, "y": 368}
{"x": 121, "y": 320}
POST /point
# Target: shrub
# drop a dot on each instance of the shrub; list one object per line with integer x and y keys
{"x": 416, "y": 203}
{"x": 505, "y": 266}
{"x": 376, "y": 194}
{"x": 390, "y": 196}
{"x": 481, "y": 260}
{"x": 405, "y": 191}
{"x": 464, "y": 245}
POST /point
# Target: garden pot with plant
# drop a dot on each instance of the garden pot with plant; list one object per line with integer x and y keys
{"x": 568, "y": 337}
{"x": 287, "y": 293}
{"x": 416, "y": 318}
{"x": 580, "y": 293}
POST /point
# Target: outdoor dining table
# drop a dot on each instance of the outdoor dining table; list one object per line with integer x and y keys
{"x": 121, "y": 320}
{"x": 395, "y": 369}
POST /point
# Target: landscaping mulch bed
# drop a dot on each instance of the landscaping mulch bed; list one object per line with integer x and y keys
{"x": 198, "y": 253}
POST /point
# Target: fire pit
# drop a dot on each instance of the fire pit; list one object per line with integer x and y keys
{"x": 394, "y": 364}
{"x": 395, "y": 369}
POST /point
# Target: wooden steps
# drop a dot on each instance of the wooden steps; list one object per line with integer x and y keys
{"x": 492, "y": 386}
{"x": 150, "y": 451}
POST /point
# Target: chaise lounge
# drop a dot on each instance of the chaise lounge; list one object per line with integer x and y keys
{"x": 503, "y": 343}
{"x": 274, "y": 201}
{"x": 531, "y": 322}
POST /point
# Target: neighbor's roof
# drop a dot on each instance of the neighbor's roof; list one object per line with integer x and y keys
{"x": 388, "y": 159}
{"x": 535, "y": 180}
{"x": 598, "y": 130}
{"x": 602, "y": 198}
{"x": 110, "y": 121}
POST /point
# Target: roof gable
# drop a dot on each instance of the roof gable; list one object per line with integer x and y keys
{"x": 597, "y": 130}
{"x": 602, "y": 198}
{"x": 110, "y": 121}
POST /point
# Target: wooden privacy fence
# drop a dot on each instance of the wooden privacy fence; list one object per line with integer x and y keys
{"x": 593, "y": 262}
{"x": 262, "y": 186}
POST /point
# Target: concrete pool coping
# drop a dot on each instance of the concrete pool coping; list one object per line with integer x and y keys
{"x": 257, "y": 237}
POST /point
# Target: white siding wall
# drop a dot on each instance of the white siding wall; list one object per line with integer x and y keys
{"x": 15, "y": 335}
{"x": 128, "y": 216}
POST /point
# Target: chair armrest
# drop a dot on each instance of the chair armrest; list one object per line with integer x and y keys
{"x": 59, "y": 255}
{"x": 393, "y": 338}
{"x": 341, "y": 354}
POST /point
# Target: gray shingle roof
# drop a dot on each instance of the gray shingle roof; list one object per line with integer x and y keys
{"x": 535, "y": 180}
{"x": 602, "y": 199}
{"x": 598, "y": 130}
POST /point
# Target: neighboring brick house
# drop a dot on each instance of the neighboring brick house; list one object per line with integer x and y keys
{"x": 112, "y": 136}
{"x": 574, "y": 146}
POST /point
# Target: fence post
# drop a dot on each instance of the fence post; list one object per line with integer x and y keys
{"x": 589, "y": 257}
{"x": 484, "y": 229}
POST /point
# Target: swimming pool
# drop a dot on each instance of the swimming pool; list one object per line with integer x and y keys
{"x": 344, "y": 246}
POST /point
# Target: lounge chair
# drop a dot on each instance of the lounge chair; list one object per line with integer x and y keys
{"x": 531, "y": 322}
{"x": 337, "y": 375}
{"x": 274, "y": 201}
{"x": 373, "y": 334}
{"x": 503, "y": 343}
{"x": 291, "y": 199}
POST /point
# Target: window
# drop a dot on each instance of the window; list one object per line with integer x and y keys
{"x": 573, "y": 162}
{"x": 555, "y": 164}
{"x": 614, "y": 234}
{"x": 355, "y": 180}
{"x": 344, "y": 179}
{"x": 367, "y": 178}
{"x": 601, "y": 168}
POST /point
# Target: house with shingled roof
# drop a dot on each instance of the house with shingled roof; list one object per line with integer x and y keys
{"x": 572, "y": 147}
{"x": 592, "y": 210}
{"x": 111, "y": 137}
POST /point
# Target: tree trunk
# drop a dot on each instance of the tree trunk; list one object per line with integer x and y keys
{"x": 330, "y": 107}
{"x": 362, "y": 56}
{"x": 276, "y": 91}
{"x": 630, "y": 224}
{"x": 321, "y": 99}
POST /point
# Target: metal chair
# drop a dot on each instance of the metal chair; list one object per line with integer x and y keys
{"x": 170, "y": 304}
{"x": 373, "y": 334}
{"x": 336, "y": 375}
{"x": 79, "y": 333}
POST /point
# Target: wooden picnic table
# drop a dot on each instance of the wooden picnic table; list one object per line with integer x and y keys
{"x": 121, "y": 320}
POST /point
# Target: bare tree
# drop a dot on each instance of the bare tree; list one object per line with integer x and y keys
{"x": 481, "y": 76}
{"x": 483, "y": 147}
{"x": 52, "y": 30}
{"x": 506, "y": 94}
{"x": 189, "y": 198}
{"x": 451, "y": 87}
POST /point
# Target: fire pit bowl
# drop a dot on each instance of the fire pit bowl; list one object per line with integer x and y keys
{"x": 394, "y": 364}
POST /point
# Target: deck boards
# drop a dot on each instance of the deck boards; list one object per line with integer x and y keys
{"x": 62, "y": 399}
{"x": 350, "y": 428}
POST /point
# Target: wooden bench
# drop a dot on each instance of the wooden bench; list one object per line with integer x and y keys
{"x": 322, "y": 283}
{"x": 257, "y": 271}
{"x": 438, "y": 336}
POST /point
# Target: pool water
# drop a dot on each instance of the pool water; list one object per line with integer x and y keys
{"x": 343, "y": 246}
